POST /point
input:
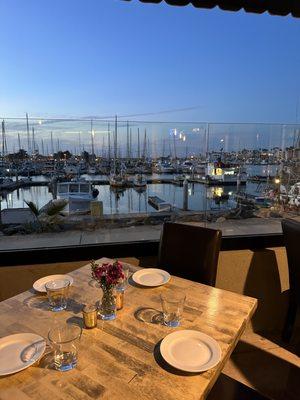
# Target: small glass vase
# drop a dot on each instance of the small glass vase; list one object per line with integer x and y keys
{"x": 108, "y": 306}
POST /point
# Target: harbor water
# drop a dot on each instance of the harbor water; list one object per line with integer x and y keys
{"x": 131, "y": 200}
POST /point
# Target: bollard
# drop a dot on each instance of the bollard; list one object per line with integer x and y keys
{"x": 96, "y": 208}
{"x": 185, "y": 195}
{"x": 54, "y": 188}
{"x": 238, "y": 182}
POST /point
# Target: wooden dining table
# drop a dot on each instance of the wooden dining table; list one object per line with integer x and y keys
{"x": 121, "y": 359}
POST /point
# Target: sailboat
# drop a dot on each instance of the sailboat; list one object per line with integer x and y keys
{"x": 117, "y": 180}
{"x": 139, "y": 180}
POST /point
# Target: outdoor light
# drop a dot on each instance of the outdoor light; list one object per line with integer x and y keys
{"x": 277, "y": 180}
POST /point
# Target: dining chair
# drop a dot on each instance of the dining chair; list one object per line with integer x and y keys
{"x": 291, "y": 235}
{"x": 190, "y": 252}
{"x": 227, "y": 388}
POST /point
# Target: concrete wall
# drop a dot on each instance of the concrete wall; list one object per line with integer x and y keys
{"x": 262, "y": 274}
{"x": 17, "y": 279}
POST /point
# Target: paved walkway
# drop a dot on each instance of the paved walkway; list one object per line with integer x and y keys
{"x": 249, "y": 226}
{"x": 75, "y": 238}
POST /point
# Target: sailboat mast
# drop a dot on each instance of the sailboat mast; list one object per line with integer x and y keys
{"x": 138, "y": 143}
{"x": 109, "y": 153}
{"x": 33, "y": 140}
{"x": 52, "y": 146}
{"x": 92, "y": 138}
{"x": 28, "y": 134}
{"x": 116, "y": 139}
{"x": 103, "y": 146}
{"x": 128, "y": 150}
{"x": 174, "y": 139}
{"x": 19, "y": 141}
{"x": 130, "y": 143}
{"x": 144, "y": 145}
{"x": 79, "y": 141}
{"x": 3, "y": 139}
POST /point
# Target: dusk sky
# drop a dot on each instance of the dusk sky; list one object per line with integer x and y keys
{"x": 105, "y": 57}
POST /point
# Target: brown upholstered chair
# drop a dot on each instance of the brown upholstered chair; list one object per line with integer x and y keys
{"x": 190, "y": 252}
{"x": 291, "y": 234}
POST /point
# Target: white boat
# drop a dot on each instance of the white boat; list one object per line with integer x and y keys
{"x": 187, "y": 166}
{"x": 164, "y": 168}
{"x": 71, "y": 170}
{"x": 139, "y": 180}
{"x": 92, "y": 170}
{"x": 222, "y": 174}
{"x": 294, "y": 195}
{"x": 78, "y": 193}
{"x": 180, "y": 177}
{"x": 117, "y": 180}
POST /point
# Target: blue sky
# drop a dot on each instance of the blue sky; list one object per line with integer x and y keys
{"x": 105, "y": 57}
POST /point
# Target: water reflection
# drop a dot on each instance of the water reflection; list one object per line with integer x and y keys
{"x": 135, "y": 200}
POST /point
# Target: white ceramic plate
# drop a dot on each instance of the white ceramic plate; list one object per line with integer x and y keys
{"x": 151, "y": 277}
{"x": 19, "y": 351}
{"x": 39, "y": 285}
{"x": 190, "y": 351}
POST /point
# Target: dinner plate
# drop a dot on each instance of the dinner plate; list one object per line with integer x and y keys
{"x": 151, "y": 277}
{"x": 190, "y": 351}
{"x": 19, "y": 351}
{"x": 39, "y": 285}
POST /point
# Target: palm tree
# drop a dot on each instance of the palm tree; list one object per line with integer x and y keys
{"x": 47, "y": 217}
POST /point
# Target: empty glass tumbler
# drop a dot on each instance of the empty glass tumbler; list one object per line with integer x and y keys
{"x": 172, "y": 307}
{"x": 122, "y": 285}
{"x": 64, "y": 341}
{"x": 57, "y": 292}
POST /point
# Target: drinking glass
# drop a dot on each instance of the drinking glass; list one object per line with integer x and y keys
{"x": 64, "y": 340}
{"x": 172, "y": 307}
{"x": 57, "y": 292}
{"x": 122, "y": 285}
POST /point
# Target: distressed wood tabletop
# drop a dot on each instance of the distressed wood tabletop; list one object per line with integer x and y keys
{"x": 120, "y": 359}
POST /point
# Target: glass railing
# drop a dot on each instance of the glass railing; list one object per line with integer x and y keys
{"x": 68, "y": 182}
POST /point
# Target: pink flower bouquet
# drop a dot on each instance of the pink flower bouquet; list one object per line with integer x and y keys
{"x": 107, "y": 274}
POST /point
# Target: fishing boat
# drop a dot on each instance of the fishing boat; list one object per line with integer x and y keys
{"x": 79, "y": 194}
{"x": 139, "y": 180}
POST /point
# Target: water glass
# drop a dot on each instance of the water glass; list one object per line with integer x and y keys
{"x": 172, "y": 307}
{"x": 57, "y": 292}
{"x": 122, "y": 285}
{"x": 64, "y": 340}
